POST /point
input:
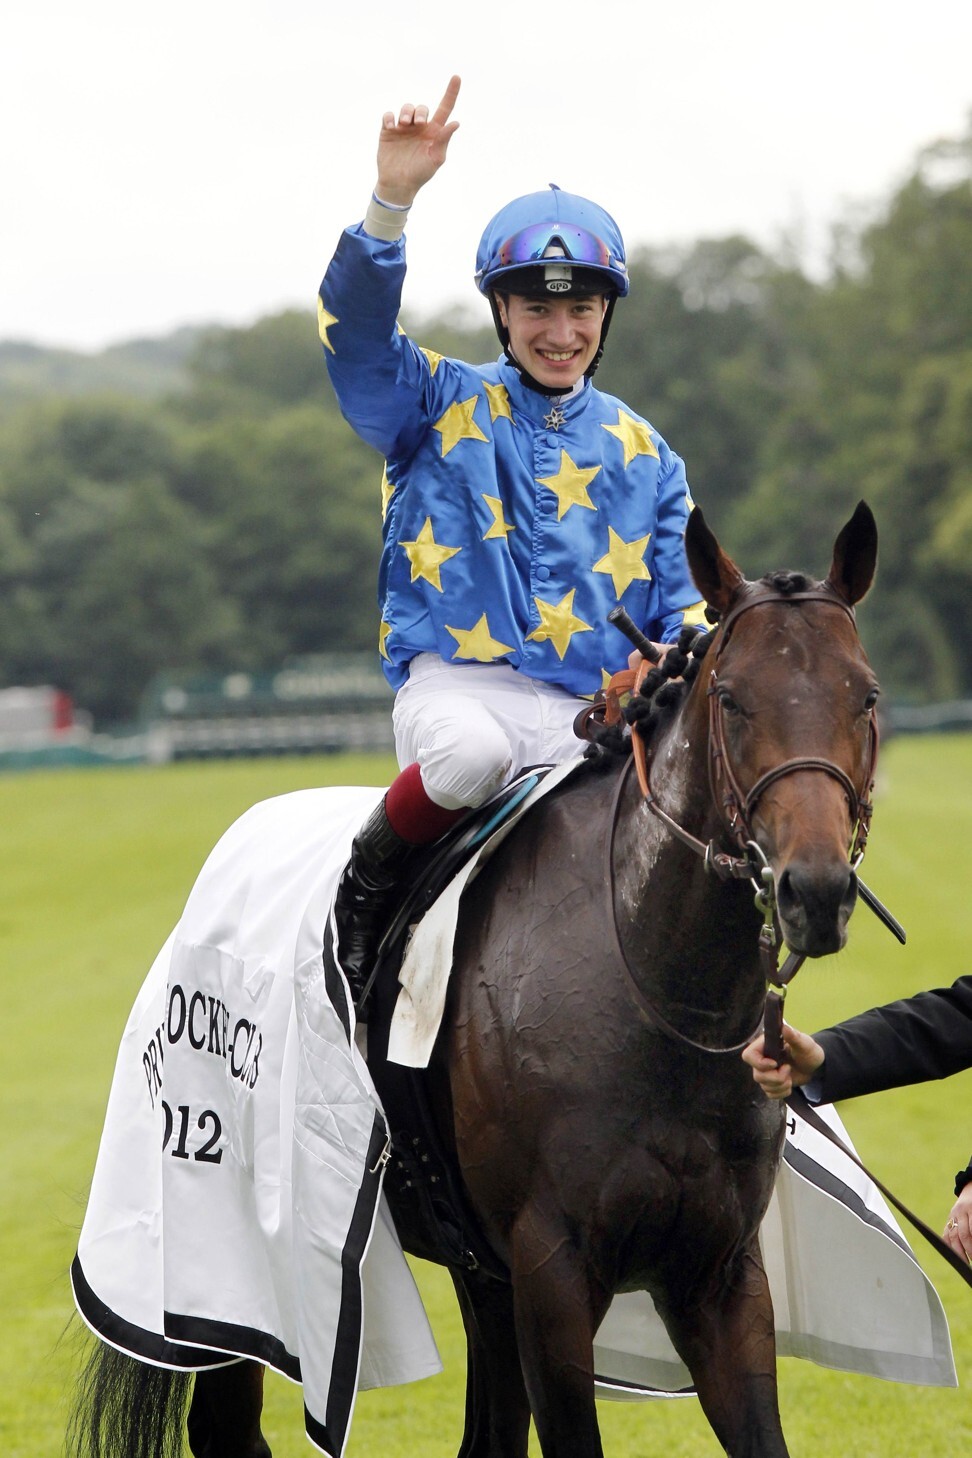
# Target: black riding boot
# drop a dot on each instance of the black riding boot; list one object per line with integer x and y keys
{"x": 365, "y": 894}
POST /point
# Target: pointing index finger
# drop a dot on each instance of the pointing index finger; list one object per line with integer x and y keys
{"x": 444, "y": 109}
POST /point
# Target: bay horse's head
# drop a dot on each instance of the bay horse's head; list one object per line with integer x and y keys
{"x": 792, "y": 734}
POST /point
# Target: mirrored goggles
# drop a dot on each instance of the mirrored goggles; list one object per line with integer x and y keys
{"x": 531, "y": 244}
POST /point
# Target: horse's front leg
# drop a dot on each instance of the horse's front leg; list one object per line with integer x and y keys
{"x": 558, "y": 1307}
{"x": 728, "y": 1343}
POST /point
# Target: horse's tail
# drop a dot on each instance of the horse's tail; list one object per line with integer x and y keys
{"x": 124, "y": 1408}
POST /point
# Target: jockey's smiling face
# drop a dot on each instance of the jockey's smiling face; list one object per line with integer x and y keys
{"x": 554, "y": 339}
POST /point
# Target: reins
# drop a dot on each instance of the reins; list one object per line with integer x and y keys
{"x": 649, "y": 1008}
{"x": 737, "y": 807}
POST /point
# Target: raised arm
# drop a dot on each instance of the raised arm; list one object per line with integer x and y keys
{"x": 381, "y": 379}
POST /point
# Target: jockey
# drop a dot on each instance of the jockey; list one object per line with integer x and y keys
{"x": 520, "y": 506}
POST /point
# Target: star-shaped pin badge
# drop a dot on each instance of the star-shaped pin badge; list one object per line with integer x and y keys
{"x": 555, "y": 419}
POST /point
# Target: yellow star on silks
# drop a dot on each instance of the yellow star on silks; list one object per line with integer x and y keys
{"x": 426, "y": 556}
{"x": 384, "y": 629}
{"x": 570, "y": 485}
{"x": 499, "y": 527}
{"x": 434, "y": 359}
{"x": 387, "y": 491}
{"x": 499, "y": 402}
{"x": 634, "y": 435}
{"x": 457, "y": 424}
{"x": 557, "y": 623}
{"x": 694, "y": 617}
{"x": 478, "y": 643}
{"x": 324, "y": 322}
{"x": 624, "y": 561}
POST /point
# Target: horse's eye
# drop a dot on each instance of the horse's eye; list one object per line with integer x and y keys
{"x": 727, "y": 703}
{"x": 871, "y": 700}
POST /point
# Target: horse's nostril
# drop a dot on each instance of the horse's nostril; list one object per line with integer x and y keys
{"x": 814, "y": 905}
{"x": 789, "y": 890}
{"x": 805, "y": 892}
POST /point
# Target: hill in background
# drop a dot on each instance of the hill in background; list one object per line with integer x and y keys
{"x": 147, "y": 368}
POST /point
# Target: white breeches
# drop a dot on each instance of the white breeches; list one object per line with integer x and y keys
{"x": 472, "y": 726}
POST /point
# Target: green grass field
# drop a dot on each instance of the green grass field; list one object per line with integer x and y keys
{"x": 95, "y": 868}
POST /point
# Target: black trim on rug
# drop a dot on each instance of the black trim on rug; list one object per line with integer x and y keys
{"x": 142, "y": 1345}
{"x": 244, "y": 1341}
{"x": 334, "y": 984}
{"x": 347, "y": 1345}
{"x": 824, "y": 1179}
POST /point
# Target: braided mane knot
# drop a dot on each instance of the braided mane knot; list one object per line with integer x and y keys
{"x": 786, "y": 583}
{"x": 664, "y": 686}
{"x": 661, "y": 692}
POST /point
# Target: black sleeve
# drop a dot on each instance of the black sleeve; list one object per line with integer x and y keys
{"x": 919, "y": 1038}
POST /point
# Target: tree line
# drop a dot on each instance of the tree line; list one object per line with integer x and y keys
{"x": 228, "y": 518}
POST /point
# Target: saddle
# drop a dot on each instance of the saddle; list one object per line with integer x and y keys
{"x": 422, "y": 1179}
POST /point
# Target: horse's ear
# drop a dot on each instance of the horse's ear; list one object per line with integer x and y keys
{"x": 855, "y": 555}
{"x": 716, "y": 576}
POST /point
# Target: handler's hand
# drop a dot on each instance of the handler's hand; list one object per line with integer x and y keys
{"x": 958, "y": 1231}
{"x": 413, "y": 148}
{"x": 803, "y": 1058}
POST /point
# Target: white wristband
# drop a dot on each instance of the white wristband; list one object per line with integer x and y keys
{"x": 385, "y": 220}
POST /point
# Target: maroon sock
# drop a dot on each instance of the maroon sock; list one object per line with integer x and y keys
{"x": 411, "y": 814}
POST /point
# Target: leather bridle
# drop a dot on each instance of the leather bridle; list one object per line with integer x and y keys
{"x": 738, "y": 806}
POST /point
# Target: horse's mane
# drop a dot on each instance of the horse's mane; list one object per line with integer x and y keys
{"x": 662, "y": 693}
{"x": 665, "y": 686}
{"x": 786, "y": 583}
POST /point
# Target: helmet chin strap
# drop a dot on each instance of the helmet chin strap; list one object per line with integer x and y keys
{"x": 525, "y": 376}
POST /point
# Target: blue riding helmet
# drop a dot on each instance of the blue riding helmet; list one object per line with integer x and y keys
{"x": 554, "y": 235}
{"x": 547, "y": 245}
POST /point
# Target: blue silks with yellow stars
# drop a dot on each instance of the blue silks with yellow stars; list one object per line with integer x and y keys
{"x": 513, "y": 521}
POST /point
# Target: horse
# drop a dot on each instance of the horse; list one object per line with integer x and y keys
{"x": 609, "y": 965}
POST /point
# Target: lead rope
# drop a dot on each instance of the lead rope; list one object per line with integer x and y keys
{"x": 777, "y": 978}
